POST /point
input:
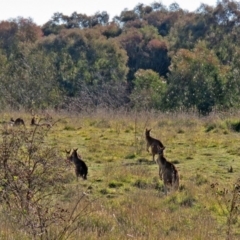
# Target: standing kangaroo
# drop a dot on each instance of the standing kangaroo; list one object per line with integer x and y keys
{"x": 152, "y": 143}
{"x": 167, "y": 172}
{"x": 81, "y": 168}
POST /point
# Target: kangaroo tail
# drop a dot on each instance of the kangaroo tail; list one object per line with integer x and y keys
{"x": 175, "y": 180}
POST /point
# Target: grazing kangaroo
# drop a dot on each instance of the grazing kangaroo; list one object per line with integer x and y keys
{"x": 17, "y": 122}
{"x": 34, "y": 123}
{"x": 167, "y": 172}
{"x": 81, "y": 168}
{"x": 153, "y": 144}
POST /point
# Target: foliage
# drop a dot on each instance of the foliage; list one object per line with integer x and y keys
{"x": 18, "y": 31}
{"x": 229, "y": 200}
{"x": 87, "y": 58}
{"x": 148, "y": 90}
{"x": 32, "y": 81}
{"x": 197, "y": 80}
{"x": 145, "y": 49}
{"x": 80, "y": 58}
{"x": 29, "y": 180}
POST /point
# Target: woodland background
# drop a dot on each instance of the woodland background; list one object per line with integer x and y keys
{"x": 150, "y": 57}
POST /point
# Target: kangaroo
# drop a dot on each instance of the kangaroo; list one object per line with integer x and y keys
{"x": 81, "y": 168}
{"x": 152, "y": 143}
{"x": 68, "y": 158}
{"x": 34, "y": 123}
{"x": 17, "y": 122}
{"x": 167, "y": 172}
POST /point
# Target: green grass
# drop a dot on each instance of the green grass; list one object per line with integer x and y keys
{"x": 125, "y": 196}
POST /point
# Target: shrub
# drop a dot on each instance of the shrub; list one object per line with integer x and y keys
{"x": 31, "y": 176}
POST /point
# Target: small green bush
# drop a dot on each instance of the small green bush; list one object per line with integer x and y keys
{"x": 69, "y": 128}
{"x": 210, "y": 126}
{"x": 115, "y": 184}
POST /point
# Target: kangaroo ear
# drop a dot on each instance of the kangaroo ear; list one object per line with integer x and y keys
{"x": 160, "y": 149}
{"x": 75, "y": 149}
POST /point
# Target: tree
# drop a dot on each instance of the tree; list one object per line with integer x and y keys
{"x": 112, "y": 30}
{"x": 146, "y": 50}
{"x": 163, "y": 19}
{"x": 87, "y": 58}
{"x": 149, "y": 89}
{"x": 127, "y": 16}
{"x": 233, "y": 80}
{"x": 28, "y": 31}
{"x": 30, "y": 175}
{"x": 197, "y": 80}
{"x": 18, "y": 31}
{"x": 30, "y": 80}
{"x": 141, "y": 10}
{"x": 8, "y": 32}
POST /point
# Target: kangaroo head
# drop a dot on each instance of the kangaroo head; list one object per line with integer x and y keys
{"x": 160, "y": 150}
{"x": 147, "y": 132}
{"x": 68, "y": 155}
{"x": 67, "y": 152}
{"x": 75, "y": 151}
{"x": 75, "y": 154}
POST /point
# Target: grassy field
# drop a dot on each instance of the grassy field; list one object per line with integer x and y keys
{"x": 123, "y": 197}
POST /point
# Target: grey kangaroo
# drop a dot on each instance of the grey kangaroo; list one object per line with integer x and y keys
{"x": 34, "y": 123}
{"x": 17, "y": 122}
{"x": 167, "y": 172}
{"x": 152, "y": 143}
{"x": 81, "y": 168}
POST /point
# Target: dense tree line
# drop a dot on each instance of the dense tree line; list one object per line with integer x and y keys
{"x": 153, "y": 56}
